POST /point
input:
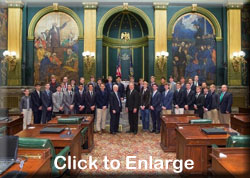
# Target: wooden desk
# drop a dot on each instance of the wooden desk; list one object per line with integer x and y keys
{"x": 89, "y": 124}
{"x": 14, "y": 125}
{"x": 244, "y": 110}
{"x": 58, "y": 141}
{"x": 241, "y": 123}
{"x": 236, "y": 164}
{"x": 193, "y": 144}
{"x": 35, "y": 166}
{"x": 168, "y": 133}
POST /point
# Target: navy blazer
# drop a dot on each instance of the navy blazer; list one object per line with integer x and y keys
{"x": 161, "y": 88}
{"x": 114, "y": 103}
{"x": 179, "y": 98}
{"x": 101, "y": 99}
{"x": 79, "y": 100}
{"x": 121, "y": 89}
{"x": 226, "y": 103}
{"x": 190, "y": 99}
{"x": 36, "y": 100}
{"x": 207, "y": 100}
{"x": 167, "y": 101}
{"x": 214, "y": 101}
{"x": 89, "y": 101}
{"x": 107, "y": 86}
{"x": 46, "y": 100}
{"x": 156, "y": 101}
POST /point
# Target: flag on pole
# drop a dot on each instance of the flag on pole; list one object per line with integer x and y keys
{"x": 118, "y": 67}
{"x": 131, "y": 69}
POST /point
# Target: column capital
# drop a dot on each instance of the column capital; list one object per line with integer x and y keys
{"x": 160, "y": 5}
{"x": 235, "y": 5}
{"x": 90, "y": 5}
{"x": 14, "y": 3}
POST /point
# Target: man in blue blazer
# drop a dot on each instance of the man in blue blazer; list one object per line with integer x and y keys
{"x": 115, "y": 109}
{"x": 167, "y": 100}
{"x": 109, "y": 85}
{"x": 226, "y": 101}
{"x": 155, "y": 109}
{"x": 46, "y": 104}
{"x": 80, "y": 100}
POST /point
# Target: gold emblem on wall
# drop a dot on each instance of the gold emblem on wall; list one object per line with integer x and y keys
{"x": 125, "y": 36}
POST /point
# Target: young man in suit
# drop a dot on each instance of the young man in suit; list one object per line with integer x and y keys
{"x": 179, "y": 99}
{"x": 183, "y": 84}
{"x": 206, "y": 107}
{"x": 90, "y": 96}
{"x": 65, "y": 82}
{"x": 121, "y": 88}
{"x": 144, "y": 106}
{"x": 214, "y": 104}
{"x": 115, "y": 109}
{"x": 199, "y": 102}
{"x": 197, "y": 81}
{"x": 172, "y": 84}
{"x": 155, "y": 107}
{"x": 80, "y": 100}
{"x": 47, "y": 104}
{"x": 68, "y": 100}
{"x": 140, "y": 85}
{"x": 152, "y": 82}
{"x": 26, "y": 110}
{"x": 192, "y": 86}
{"x": 189, "y": 100}
{"x": 132, "y": 80}
{"x": 82, "y": 81}
{"x": 132, "y": 106}
{"x": 109, "y": 85}
{"x": 101, "y": 108}
{"x": 161, "y": 87}
{"x": 226, "y": 101}
{"x": 167, "y": 100}
{"x": 92, "y": 81}
{"x": 57, "y": 99}
{"x": 37, "y": 104}
{"x": 53, "y": 84}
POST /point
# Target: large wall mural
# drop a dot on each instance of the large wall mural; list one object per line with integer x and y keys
{"x": 56, "y": 47}
{"x": 3, "y": 27}
{"x": 194, "y": 48}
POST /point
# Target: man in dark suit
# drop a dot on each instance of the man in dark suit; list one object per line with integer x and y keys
{"x": 46, "y": 104}
{"x": 109, "y": 85}
{"x": 155, "y": 107}
{"x": 140, "y": 85}
{"x": 199, "y": 102}
{"x": 37, "y": 104}
{"x": 183, "y": 84}
{"x": 189, "y": 99}
{"x": 68, "y": 100}
{"x": 226, "y": 101}
{"x": 192, "y": 86}
{"x": 80, "y": 100}
{"x": 197, "y": 81}
{"x": 132, "y": 106}
{"x": 53, "y": 84}
{"x": 82, "y": 81}
{"x": 152, "y": 82}
{"x": 121, "y": 88}
{"x": 167, "y": 99}
{"x": 206, "y": 107}
{"x": 214, "y": 105}
{"x": 90, "y": 100}
{"x": 115, "y": 109}
{"x": 179, "y": 99}
{"x": 132, "y": 80}
{"x": 161, "y": 87}
{"x": 145, "y": 97}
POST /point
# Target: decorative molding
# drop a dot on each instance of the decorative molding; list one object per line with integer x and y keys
{"x": 160, "y": 5}
{"x": 234, "y": 5}
{"x": 194, "y": 7}
{"x": 199, "y": 10}
{"x": 49, "y": 9}
{"x": 15, "y": 4}
{"x": 107, "y": 41}
{"x": 90, "y": 5}
{"x": 117, "y": 9}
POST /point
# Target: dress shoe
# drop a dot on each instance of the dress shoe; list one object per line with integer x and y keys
{"x": 157, "y": 132}
{"x": 152, "y": 131}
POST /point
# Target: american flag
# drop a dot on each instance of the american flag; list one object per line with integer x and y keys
{"x": 118, "y": 67}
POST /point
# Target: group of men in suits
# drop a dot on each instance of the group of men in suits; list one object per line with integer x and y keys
{"x": 146, "y": 98}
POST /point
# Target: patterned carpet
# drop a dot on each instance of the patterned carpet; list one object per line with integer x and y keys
{"x": 121, "y": 145}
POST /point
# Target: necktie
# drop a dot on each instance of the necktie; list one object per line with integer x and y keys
{"x": 91, "y": 94}
{"x": 71, "y": 94}
{"x": 187, "y": 92}
{"x": 221, "y": 96}
{"x": 48, "y": 93}
{"x": 118, "y": 98}
{"x": 38, "y": 94}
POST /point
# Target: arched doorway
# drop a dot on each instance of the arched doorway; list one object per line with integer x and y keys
{"x": 125, "y": 36}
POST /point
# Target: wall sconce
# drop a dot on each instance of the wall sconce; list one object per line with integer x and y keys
{"x": 161, "y": 60}
{"x": 88, "y": 59}
{"x": 238, "y": 59}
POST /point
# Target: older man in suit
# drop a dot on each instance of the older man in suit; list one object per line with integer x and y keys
{"x": 37, "y": 104}
{"x": 80, "y": 99}
{"x": 47, "y": 104}
{"x": 199, "y": 102}
{"x": 167, "y": 100}
{"x": 132, "y": 106}
{"x": 68, "y": 100}
{"x": 155, "y": 107}
{"x": 226, "y": 101}
{"x": 115, "y": 109}
{"x": 57, "y": 99}
{"x": 90, "y": 99}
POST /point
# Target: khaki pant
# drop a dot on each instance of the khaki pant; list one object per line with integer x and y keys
{"x": 179, "y": 111}
{"x": 224, "y": 118}
{"x": 215, "y": 116}
{"x": 27, "y": 116}
{"x": 101, "y": 115}
{"x": 164, "y": 112}
{"x": 207, "y": 115}
{"x": 189, "y": 111}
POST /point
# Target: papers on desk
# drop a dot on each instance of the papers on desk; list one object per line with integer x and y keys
{"x": 31, "y": 127}
{"x": 221, "y": 155}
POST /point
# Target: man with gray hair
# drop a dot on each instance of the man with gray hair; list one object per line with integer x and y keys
{"x": 226, "y": 101}
{"x": 115, "y": 109}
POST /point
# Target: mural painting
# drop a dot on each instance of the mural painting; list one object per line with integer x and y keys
{"x": 3, "y": 27}
{"x": 56, "y": 47}
{"x": 194, "y": 48}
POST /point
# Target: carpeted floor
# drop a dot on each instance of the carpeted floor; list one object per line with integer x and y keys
{"x": 121, "y": 145}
